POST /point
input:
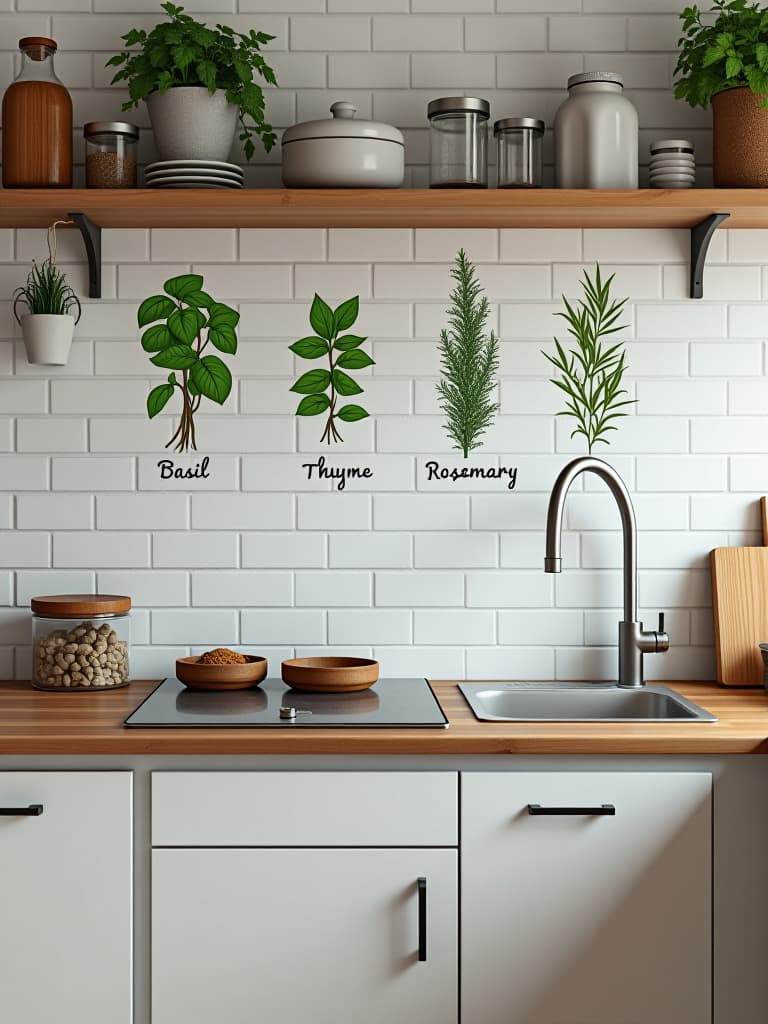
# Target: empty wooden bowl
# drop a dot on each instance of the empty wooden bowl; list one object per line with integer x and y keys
{"x": 198, "y": 676}
{"x": 330, "y": 675}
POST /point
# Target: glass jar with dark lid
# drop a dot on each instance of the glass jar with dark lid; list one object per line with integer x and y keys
{"x": 458, "y": 142}
{"x": 110, "y": 154}
{"x": 519, "y": 151}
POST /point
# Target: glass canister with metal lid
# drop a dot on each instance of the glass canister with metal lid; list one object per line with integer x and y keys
{"x": 110, "y": 154}
{"x": 519, "y": 151}
{"x": 81, "y": 641}
{"x": 459, "y": 142}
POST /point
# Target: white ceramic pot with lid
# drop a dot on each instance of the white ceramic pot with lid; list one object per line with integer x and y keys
{"x": 343, "y": 152}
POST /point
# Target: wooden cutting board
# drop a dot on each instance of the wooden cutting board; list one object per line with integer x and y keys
{"x": 740, "y": 607}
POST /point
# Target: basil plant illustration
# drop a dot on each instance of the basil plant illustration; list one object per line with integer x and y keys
{"x": 185, "y": 322}
{"x": 323, "y": 388}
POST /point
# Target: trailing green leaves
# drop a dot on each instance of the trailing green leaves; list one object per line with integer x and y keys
{"x": 323, "y": 386}
{"x": 469, "y": 362}
{"x": 183, "y": 51}
{"x": 590, "y": 374}
{"x": 185, "y": 321}
{"x": 728, "y": 52}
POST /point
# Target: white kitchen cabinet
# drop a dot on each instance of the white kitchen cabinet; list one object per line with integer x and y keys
{"x": 289, "y": 936}
{"x": 292, "y": 898}
{"x": 586, "y": 918}
{"x": 65, "y": 897}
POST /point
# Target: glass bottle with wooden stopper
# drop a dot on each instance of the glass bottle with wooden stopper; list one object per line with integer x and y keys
{"x": 37, "y": 122}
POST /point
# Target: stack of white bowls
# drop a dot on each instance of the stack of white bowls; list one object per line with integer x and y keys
{"x": 672, "y": 164}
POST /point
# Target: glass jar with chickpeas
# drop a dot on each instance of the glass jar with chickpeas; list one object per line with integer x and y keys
{"x": 80, "y": 642}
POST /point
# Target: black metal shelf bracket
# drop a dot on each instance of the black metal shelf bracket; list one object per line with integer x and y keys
{"x": 701, "y": 236}
{"x": 92, "y": 240}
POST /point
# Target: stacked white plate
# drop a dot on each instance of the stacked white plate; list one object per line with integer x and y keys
{"x": 672, "y": 164}
{"x": 193, "y": 174}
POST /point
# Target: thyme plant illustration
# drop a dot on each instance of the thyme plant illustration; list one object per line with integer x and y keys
{"x": 591, "y": 374}
{"x": 186, "y": 320}
{"x": 342, "y": 352}
{"x": 469, "y": 361}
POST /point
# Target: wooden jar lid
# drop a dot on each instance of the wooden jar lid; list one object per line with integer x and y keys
{"x": 74, "y": 606}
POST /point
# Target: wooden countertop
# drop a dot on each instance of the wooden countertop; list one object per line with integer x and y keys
{"x": 34, "y": 723}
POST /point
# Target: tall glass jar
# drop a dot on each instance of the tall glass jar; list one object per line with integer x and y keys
{"x": 459, "y": 142}
{"x": 596, "y": 134}
{"x": 81, "y": 641}
{"x": 519, "y": 153}
{"x": 110, "y": 154}
{"x": 37, "y": 122}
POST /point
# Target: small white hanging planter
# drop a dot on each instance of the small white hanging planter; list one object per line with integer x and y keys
{"x": 48, "y": 326}
{"x": 47, "y": 337}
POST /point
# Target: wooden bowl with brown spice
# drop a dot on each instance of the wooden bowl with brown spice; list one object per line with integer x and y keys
{"x": 221, "y": 669}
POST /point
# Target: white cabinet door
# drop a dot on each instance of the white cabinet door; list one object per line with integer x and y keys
{"x": 586, "y": 918}
{"x": 65, "y": 897}
{"x": 288, "y": 936}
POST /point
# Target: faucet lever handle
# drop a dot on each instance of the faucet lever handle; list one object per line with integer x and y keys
{"x": 661, "y": 623}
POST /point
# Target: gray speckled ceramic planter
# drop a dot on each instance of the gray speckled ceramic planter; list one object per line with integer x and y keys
{"x": 189, "y": 123}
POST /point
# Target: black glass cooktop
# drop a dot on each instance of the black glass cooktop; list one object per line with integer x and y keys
{"x": 389, "y": 702}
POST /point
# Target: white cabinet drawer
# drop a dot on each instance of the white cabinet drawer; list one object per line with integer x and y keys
{"x": 304, "y": 809}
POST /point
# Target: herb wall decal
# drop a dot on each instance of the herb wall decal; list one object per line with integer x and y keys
{"x": 186, "y": 320}
{"x": 590, "y": 374}
{"x": 323, "y": 387}
{"x": 469, "y": 361}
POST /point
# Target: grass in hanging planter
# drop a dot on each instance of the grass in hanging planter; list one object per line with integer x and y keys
{"x": 591, "y": 374}
{"x": 47, "y": 291}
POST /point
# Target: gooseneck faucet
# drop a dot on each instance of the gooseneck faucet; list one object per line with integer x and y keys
{"x": 634, "y": 641}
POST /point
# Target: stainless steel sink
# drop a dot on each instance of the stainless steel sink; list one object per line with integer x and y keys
{"x": 578, "y": 702}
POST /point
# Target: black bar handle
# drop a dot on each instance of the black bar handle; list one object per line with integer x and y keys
{"x": 602, "y": 809}
{"x": 32, "y": 811}
{"x": 422, "y": 890}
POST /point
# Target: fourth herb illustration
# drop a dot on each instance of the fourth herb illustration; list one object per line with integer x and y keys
{"x": 325, "y": 386}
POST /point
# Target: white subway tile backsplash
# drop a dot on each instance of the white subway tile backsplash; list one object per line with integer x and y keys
{"x": 147, "y": 589}
{"x": 456, "y": 550}
{"x": 725, "y": 512}
{"x": 749, "y": 472}
{"x": 242, "y": 589}
{"x": 374, "y": 626}
{"x": 736, "y": 359}
{"x": 284, "y": 551}
{"x": 127, "y": 549}
{"x": 412, "y": 590}
{"x": 463, "y": 626}
{"x": 509, "y": 590}
{"x": 90, "y": 474}
{"x": 285, "y": 626}
{"x": 682, "y": 473}
{"x": 546, "y": 627}
{"x": 379, "y": 550}
{"x": 51, "y": 435}
{"x": 36, "y": 584}
{"x": 210, "y": 550}
{"x": 420, "y": 512}
{"x": 333, "y": 589}
{"x": 516, "y": 662}
{"x": 195, "y": 626}
{"x": 54, "y": 511}
{"x": 24, "y": 472}
{"x": 587, "y": 33}
{"x": 24, "y": 550}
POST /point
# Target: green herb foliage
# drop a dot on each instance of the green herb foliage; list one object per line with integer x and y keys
{"x": 183, "y": 51}
{"x": 591, "y": 374}
{"x": 47, "y": 291}
{"x": 727, "y": 53}
{"x": 322, "y": 388}
{"x": 469, "y": 360}
{"x": 185, "y": 321}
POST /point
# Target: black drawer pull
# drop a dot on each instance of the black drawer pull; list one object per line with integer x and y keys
{"x": 422, "y": 884}
{"x": 602, "y": 809}
{"x": 33, "y": 811}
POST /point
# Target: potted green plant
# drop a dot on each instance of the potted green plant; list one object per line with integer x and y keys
{"x": 48, "y": 325}
{"x": 198, "y": 82}
{"x": 724, "y": 61}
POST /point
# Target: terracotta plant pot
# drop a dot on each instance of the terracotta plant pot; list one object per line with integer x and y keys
{"x": 740, "y": 143}
{"x": 189, "y": 123}
{"x": 47, "y": 337}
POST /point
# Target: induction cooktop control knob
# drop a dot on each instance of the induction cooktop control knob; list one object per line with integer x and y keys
{"x": 290, "y": 713}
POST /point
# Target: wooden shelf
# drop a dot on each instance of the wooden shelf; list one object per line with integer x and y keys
{"x": 379, "y": 208}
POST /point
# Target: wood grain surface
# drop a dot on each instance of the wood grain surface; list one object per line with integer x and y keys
{"x": 598, "y": 208}
{"x": 740, "y": 608}
{"x": 36, "y": 723}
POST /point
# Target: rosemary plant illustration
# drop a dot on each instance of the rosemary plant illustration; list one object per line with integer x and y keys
{"x": 322, "y": 388}
{"x": 469, "y": 361}
{"x": 186, "y": 320}
{"x": 591, "y": 373}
